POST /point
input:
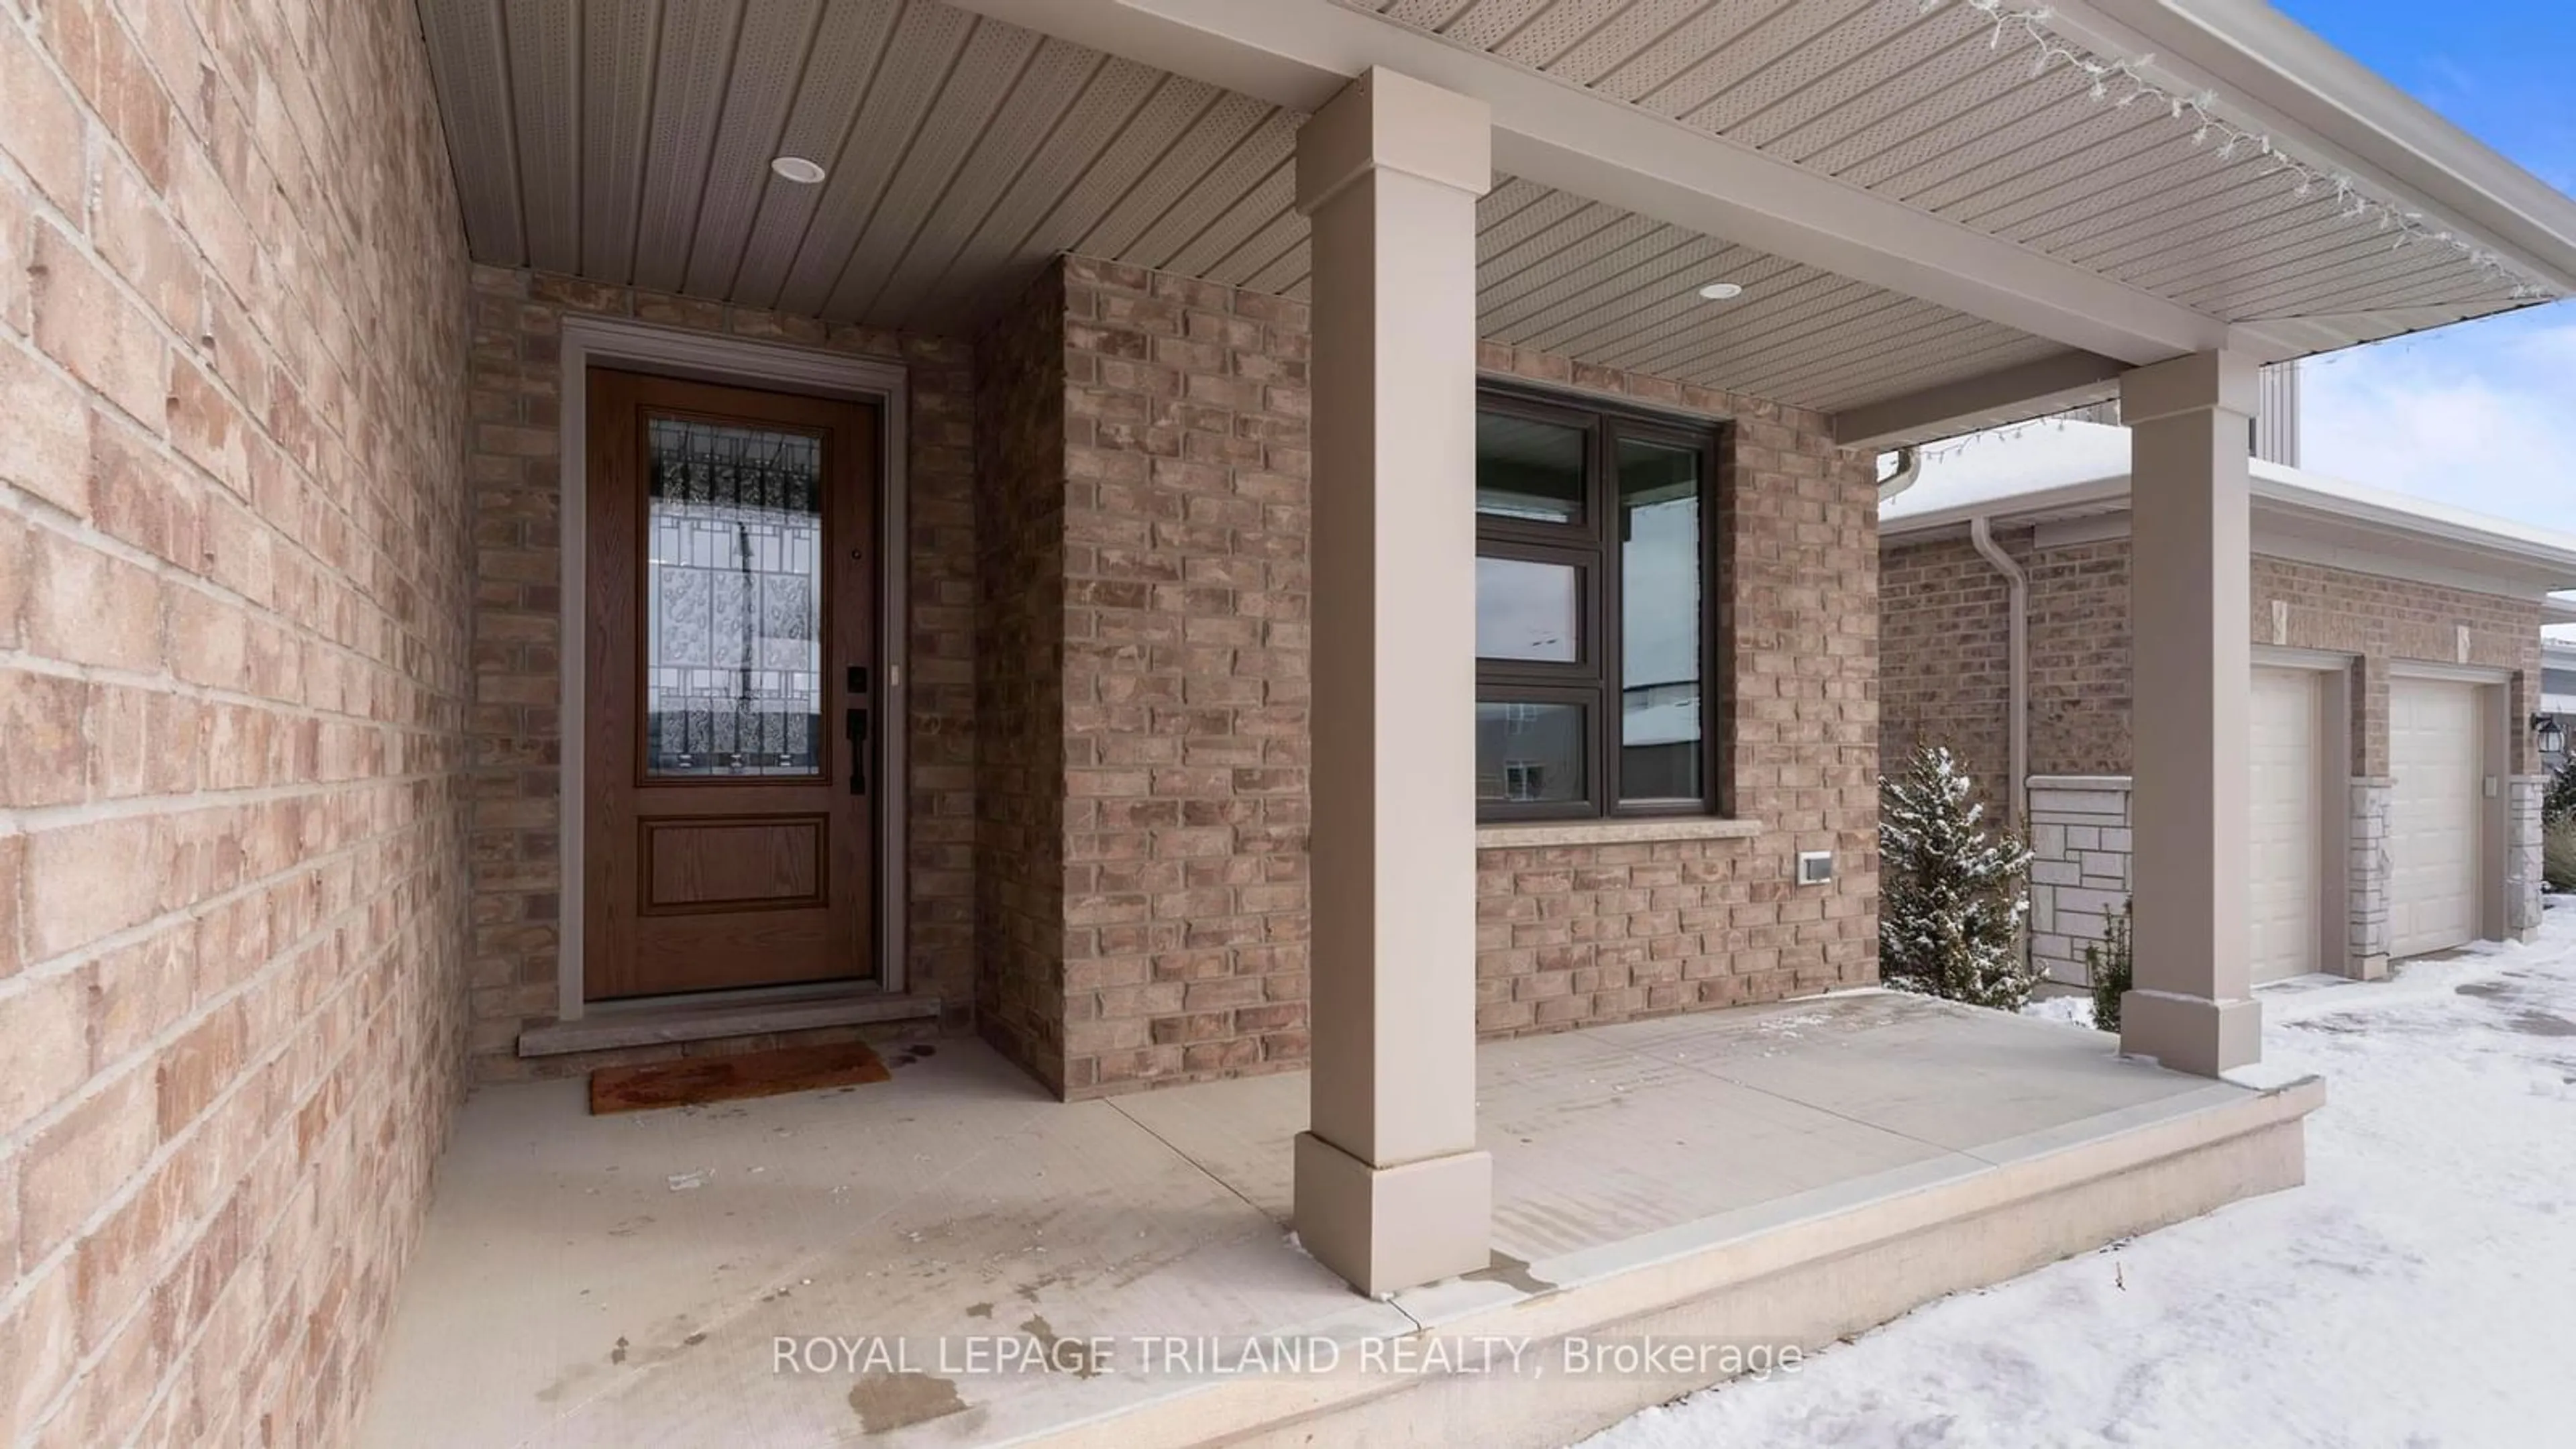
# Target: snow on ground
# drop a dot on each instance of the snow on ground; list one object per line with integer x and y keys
{"x": 2420, "y": 1289}
{"x": 2072, "y": 1010}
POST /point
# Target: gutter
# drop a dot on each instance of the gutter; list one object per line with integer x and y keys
{"x": 1909, "y": 466}
{"x": 2017, "y": 710}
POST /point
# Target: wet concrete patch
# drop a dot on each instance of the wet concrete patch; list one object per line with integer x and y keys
{"x": 887, "y": 1402}
{"x": 2542, "y": 1023}
{"x": 1061, "y": 1354}
{"x": 1512, "y": 1272}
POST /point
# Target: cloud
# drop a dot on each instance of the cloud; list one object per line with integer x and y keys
{"x": 2481, "y": 416}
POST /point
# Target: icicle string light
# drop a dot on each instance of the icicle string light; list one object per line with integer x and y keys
{"x": 2121, "y": 83}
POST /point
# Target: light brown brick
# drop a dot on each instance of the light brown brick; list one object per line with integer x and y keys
{"x": 40, "y": 717}
{"x": 45, "y": 129}
{"x": 46, "y": 1024}
{"x": 75, "y": 1166}
{"x": 98, "y": 335}
{"x": 85, "y": 606}
{"x": 86, "y": 881}
{"x": 44, "y": 450}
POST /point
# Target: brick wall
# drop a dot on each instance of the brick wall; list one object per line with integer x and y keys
{"x": 1019, "y": 682}
{"x": 516, "y": 732}
{"x": 1945, "y": 662}
{"x": 2376, "y": 620}
{"x": 233, "y": 667}
{"x": 2079, "y": 658}
{"x": 1183, "y": 609}
{"x": 1947, "y": 680}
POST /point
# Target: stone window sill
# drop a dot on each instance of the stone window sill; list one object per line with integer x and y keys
{"x": 1536, "y": 833}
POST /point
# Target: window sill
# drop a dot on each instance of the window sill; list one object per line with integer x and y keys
{"x": 1535, "y": 833}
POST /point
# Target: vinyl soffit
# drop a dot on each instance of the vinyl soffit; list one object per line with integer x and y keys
{"x": 1919, "y": 107}
{"x": 631, "y": 143}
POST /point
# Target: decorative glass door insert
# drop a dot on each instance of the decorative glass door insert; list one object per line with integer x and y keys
{"x": 733, "y": 666}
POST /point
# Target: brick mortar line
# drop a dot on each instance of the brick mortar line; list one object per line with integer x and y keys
{"x": 65, "y": 962}
{"x": 172, "y": 687}
{"x": 40, "y": 513}
{"x": 25, "y": 822}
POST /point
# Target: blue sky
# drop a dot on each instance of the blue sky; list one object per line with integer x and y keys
{"x": 2482, "y": 415}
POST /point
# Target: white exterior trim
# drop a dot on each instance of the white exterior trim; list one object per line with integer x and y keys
{"x": 740, "y": 362}
{"x": 2452, "y": 673}
{"x": 2274, "y": 656}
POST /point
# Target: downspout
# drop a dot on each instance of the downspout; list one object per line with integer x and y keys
{"x": 1909, "y": 466}
{"x": 2017, "y": 718}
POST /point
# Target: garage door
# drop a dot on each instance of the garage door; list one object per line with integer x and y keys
{"x": 2287, "y": 824}
{"x": 2432, "y": 816}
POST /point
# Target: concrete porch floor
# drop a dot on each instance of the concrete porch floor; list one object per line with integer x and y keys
{"x": 1783, "y": 1174}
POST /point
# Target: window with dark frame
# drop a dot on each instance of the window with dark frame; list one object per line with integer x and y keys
{"x": 1596, "y": 589}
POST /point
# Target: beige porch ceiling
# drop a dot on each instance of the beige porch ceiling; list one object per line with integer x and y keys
{"x": 630, "y": 143}
{"x": 1921, "y": 107}
{"x": 631, "y": 146}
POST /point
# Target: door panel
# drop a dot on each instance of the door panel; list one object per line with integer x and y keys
{"x": 2433, "y": 816}
{"x": 731, "y": 587}
{"x": 2286, "y": 825}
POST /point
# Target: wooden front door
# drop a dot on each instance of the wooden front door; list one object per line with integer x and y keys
{"x": 727, "y": 717}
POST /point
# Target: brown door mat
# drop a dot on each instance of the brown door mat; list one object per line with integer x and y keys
{"x": 725, "y": 1079}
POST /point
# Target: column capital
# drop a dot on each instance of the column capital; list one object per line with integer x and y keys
{"x": 2193, "y": 382}
{"x": 1385, "y": 120}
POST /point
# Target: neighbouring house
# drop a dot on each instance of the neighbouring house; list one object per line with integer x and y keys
{"x": 2392, "y": 721}
{"x": 1318, "y": 558}
{"x": 2557, "y": 690}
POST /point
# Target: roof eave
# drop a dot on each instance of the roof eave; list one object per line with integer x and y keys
{"x": 2279, "y": 492}
{"x": 2335, "y": 112}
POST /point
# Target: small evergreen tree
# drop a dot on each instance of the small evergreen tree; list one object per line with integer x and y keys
{"x": 1952, "y": 893}
{"x": 2558, "y": 802}
{"x": 2107, "y": 964}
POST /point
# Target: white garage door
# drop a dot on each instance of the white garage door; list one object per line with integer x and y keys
{"x": 2287, "y": 824}
{"x": 2432, "y": 816}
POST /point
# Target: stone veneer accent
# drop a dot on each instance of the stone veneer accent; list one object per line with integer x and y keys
{"x": 1159, "y": 561}
{"x": 2079, "y": 870}
{"x": 2522, "y": 870}
{"x": 233, "y": 686}
{"x": 516, "y": 731}
{"x": 1946, "y": 679}
{"x": 2367, "y": 865}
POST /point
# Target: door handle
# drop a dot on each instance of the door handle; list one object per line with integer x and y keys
{"x": 854, "y": 723}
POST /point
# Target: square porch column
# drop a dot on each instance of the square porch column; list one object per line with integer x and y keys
{"x": 2190, "y": 589}
{"x": 1390, "y": 1189}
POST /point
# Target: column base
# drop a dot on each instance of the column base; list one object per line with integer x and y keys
{"x": 2191, "y": 1033}
{"x": 1389, "y": 1228}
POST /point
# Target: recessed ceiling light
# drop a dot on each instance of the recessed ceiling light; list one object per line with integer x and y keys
{"x": 1720, "y": 291}
{"x": 797, "y": 169}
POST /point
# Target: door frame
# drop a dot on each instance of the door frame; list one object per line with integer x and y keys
{"x": 632, "y": 346}
{"x": 2334, "y": 776}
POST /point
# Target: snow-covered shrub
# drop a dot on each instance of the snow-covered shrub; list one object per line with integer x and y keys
{"x": 1952, "y": 893}
{"x": 2108, "y": 965}
{"x": 2558, "y": 855}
